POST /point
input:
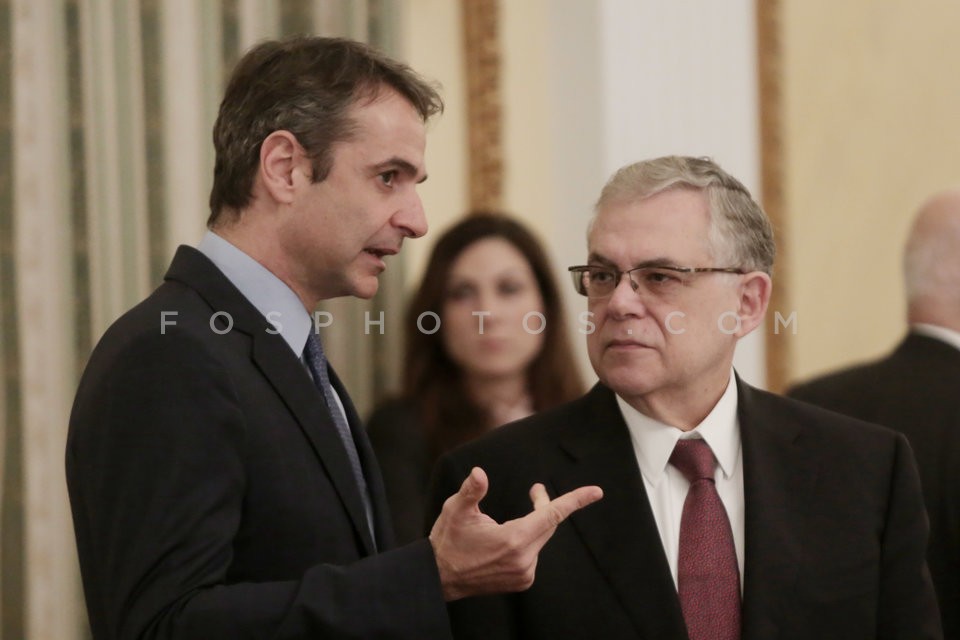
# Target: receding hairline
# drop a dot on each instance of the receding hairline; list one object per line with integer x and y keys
{"x": 604, "y": 205}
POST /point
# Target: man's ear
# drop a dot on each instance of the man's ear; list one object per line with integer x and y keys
{"x": 280, "y": 155}
{"x": 754, "y": 297}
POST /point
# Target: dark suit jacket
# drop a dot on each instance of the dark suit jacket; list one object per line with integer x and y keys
{"x": 835, "y": 530}
{"x": 915, "y": 390}
{"x": 398, "y": 439}
{"x": 211, "y": 494}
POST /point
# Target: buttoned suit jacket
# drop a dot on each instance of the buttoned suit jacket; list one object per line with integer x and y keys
{"x": 916, "y": 391}
{"x": 834, "y": 529}
{"x": 211, "y": 494}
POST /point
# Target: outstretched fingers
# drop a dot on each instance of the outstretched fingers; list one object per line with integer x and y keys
{"x": 559, "y": 509}
{"x": 547, "y": 514}
{"x": 477, "y": 556}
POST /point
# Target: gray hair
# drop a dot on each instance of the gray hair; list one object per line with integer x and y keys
{"x": 740, "y": 232}
{"x": 931, "y": 258}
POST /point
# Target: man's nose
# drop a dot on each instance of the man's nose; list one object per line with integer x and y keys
{"x": 413, "y": 219}
{"x": 625, "y": 300}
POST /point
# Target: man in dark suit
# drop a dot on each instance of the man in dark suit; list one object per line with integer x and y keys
{"x": 916, "y": 388}
{"x": 729, "y": 512}
{"x": 221, "y": 483}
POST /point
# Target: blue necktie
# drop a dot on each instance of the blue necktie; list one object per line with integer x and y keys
{"x": 317, "y": 363}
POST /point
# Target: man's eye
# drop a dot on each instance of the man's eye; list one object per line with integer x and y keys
{"x": 601, "y": 277}
{"x": 387, "y": 177}
{"x": 660, "y": 277}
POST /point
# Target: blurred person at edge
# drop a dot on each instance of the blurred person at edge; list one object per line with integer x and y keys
{"x": 496, "y": 350}
{"x": 221, "y": 483}
{"x": 914, "y": 389}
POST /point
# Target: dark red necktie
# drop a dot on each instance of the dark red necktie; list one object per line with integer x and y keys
{"x": 708, "y": 577}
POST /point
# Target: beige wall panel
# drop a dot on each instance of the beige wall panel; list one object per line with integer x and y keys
{"x": 545, "y": 54}
{"x": 431, "y": 41}
{"x": 527, "y": 143}
{"x": 870, "y": 129}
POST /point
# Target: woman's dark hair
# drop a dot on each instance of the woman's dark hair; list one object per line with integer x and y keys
{"x": 434, "y": 383}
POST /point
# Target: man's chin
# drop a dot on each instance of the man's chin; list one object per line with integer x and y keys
{"x": 628, "y": 382}
{"x": 366, "y": 289}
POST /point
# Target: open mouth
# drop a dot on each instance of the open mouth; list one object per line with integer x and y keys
{"x": 380, "y": 253}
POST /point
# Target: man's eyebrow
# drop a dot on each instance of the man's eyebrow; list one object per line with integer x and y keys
{"x": 658, "y": 262}
{"x": 596, "y": 258}
{"x": 401, "y": 165}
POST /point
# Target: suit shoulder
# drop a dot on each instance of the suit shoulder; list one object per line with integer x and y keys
{"x": 171, "y": 307}
{"x": 519, "y": 439}
{"x": 168, "y": 336}
{"x": 835, "y": 383}
{"x": 821, "y": 422}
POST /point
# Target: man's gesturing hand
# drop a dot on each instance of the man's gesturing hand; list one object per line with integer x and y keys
{"x": 477, "y": 556}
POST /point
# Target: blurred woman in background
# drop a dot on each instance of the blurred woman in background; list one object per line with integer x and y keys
{"x": 500, "y": 354}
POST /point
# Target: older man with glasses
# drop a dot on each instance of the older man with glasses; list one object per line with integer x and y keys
{"x": 729, "y": 512}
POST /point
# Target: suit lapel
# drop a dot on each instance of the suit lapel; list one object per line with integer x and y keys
{"x": 291, "y": 382}
{"x": 779, "y": 473}
{"x": 286, "y": 375}
{"x": 620, "y": 531}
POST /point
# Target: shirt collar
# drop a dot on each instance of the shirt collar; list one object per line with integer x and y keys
{"x": 937, "y": 332}
{"x": 268, "y": 293}
{"x": 654, "y": 441}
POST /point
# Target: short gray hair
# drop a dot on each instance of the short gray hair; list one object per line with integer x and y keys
{"x": 740, "y": 231}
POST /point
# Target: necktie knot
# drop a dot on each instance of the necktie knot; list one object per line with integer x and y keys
{"x": 694, "y": 459}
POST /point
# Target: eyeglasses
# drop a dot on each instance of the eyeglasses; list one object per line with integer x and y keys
{"x": 660, "y": 281}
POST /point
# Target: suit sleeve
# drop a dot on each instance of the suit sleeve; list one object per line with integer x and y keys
{"x": 478, "y": 618}
{"x": 156, "y": 473}
{"x": 908, "y": 606}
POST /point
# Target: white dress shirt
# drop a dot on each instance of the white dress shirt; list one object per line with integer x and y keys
{"x": 667, "y": 488}
{"x": 937, "y": 332}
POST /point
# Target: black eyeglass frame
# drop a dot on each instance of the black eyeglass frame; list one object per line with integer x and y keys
{"x": 577, "y": 271}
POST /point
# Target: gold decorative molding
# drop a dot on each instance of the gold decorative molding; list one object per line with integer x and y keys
{"x": 484, "y": 112}
{"x": 770, "y": 72}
